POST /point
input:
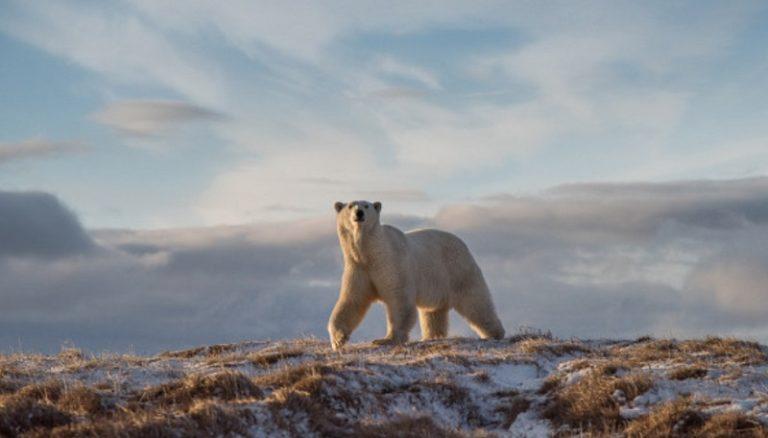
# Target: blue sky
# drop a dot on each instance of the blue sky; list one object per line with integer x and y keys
{"x": 212, "y": 113}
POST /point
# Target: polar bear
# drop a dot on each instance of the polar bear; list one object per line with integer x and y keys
{"x": 428, "y": 271}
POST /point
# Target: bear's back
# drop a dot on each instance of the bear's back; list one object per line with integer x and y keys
{"x": 431, "y": 244}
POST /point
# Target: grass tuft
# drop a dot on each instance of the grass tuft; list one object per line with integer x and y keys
{"x": 680, "y": 419}
{"x": 687, "y": 372}
{"x": 20, "y": 414}
{"x": 591, "y": 404}
{"x": 405, "y": 427}
{"x": 226, "y": 385}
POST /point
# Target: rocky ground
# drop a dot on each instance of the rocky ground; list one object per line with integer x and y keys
{"x": 530, "y": 384}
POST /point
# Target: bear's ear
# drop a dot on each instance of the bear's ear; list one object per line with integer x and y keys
{"x": 377, "y": 206}
{"x": 338, "y": 206}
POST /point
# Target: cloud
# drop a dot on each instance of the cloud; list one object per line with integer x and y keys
{"x": 119, "y": 45}
{"x": 392, "y": 66}
{"x": 147, "y": 118}
{"x": 676, "y": 256}
{"x": 35, "y": 148}
{"x": 602, "y": 213}
{"x": 38, "y": 225}
{"x": 600, "y": 260}
{"x": 736, "y": 285}
{"x": 569, "y": 83}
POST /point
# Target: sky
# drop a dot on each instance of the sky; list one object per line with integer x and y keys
{"x": 168, "y": 169}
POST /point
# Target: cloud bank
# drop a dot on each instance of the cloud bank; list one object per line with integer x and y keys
{"x": 600, "y": 260}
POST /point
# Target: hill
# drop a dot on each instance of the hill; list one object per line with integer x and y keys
{"x": 525, "y": 385}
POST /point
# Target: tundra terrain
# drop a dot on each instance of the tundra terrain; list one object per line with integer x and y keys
{"x": 530, "y": 384}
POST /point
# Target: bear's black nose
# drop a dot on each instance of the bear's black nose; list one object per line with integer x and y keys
{"x": 359, "y": 214}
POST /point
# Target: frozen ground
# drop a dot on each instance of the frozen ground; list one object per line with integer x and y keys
{"x": 526, "y": 385}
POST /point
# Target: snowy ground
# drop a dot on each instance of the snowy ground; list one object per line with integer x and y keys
{"x": 526, "y": 385}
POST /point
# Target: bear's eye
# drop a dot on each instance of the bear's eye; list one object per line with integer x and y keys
{"x": 351, "y": 206}
{"x": 366, "y": 207}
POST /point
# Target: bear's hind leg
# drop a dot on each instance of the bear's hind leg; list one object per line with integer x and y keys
{"x": 434, "y": 324}
{"x": 477, "y": 308}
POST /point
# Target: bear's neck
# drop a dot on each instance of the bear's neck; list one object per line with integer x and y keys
{"x": 361, "y": 246}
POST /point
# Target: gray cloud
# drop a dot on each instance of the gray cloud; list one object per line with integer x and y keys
{"x": 148, "y": 118}
{"x": 597, "y": 260}
{"x": 37, "y": 224}
{"x": 35, "y": 148}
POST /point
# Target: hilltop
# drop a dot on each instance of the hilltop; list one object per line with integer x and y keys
{"x": 525, "y": 385}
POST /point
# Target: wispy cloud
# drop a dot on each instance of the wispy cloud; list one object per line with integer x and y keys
{"x": 392, "y": 66}
{"x": 147, "y": 118}
{"x": 119, "y": 46}
{"x": 36, "y": 148}
{"x": 584, "y": 88}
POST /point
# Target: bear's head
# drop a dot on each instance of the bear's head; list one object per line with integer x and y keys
{"x": 357, "y": 215}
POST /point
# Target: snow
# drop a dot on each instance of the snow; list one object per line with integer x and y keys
{"x": 528, "y": 424}
{"x": 523, "y": 377}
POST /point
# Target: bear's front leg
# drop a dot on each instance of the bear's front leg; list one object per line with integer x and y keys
{"x": 346, "y": 316}
{"x": 354, "y": 300}
{"x": 401, "y": 317}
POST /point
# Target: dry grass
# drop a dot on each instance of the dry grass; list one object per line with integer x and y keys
{"x": 403, "y": 427}
{"x": 711, "y": 348}
{"x": 551, "y": 383}
{"x": 49, "y": 391}
{"x": 680, "y": 419}
{"x": 513, "y": 406}
{"x": 290, "y": 375}
{"x": 209, "y": 351}
{"x": 82, "y": 400}
{"x": 269, "y": 358}
{"x": 71, "y": 354}
{"x": 677, "y": 418}
{"x": 217, "y": 419}
{"x": 20, "y": 414}
{"x": 203, "y": 419}
{"x": 183, "y": 392}
{"x": 687, "y": 372}
{"x": 447, "y": 392}
{"x": 8, "y": 386}
{"x": 734, "y": 350}
{"x": 733, "y": 424}
{"x": 538, "y": 346}
{"x": 591, "y": 404}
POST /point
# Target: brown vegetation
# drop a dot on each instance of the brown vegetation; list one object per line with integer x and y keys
{"x": 592, "y": 403}
{"x": 223, "y": 385}
{"x": 711, "y": 348}
{"x": 681, "y": 419}
{"x": 19, "y": 414}
{"x": 552, "y": 347}
{"x": 268, "y": 358}
{"x": 687, "y": 372}
{"x": 404, "y": 427}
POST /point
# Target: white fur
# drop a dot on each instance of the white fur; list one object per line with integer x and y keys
{"x": 424, "y": 271}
